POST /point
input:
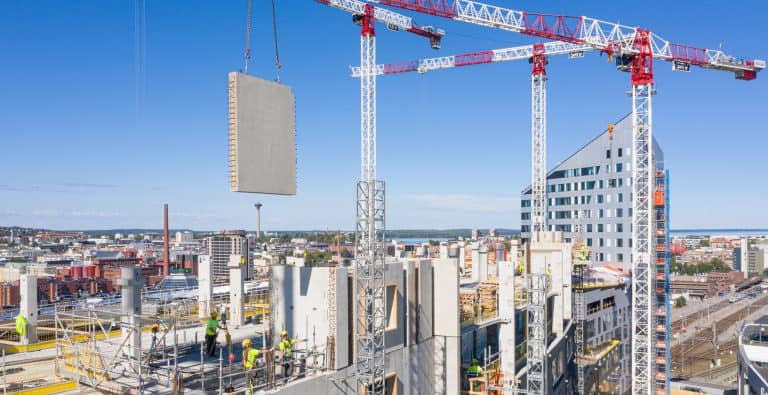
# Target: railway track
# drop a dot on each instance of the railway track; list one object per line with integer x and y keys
{"x": 700, "y": 351}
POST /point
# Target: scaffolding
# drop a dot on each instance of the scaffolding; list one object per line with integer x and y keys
{"x": 580, "y": 316}
{"x": 537, "y": 333}
{"x": 95, "y": 348}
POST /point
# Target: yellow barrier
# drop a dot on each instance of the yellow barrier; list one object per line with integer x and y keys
{"x": 49, "y": 389}
{"x": 52, "y": 343}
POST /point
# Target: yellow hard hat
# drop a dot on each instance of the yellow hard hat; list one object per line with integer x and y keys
{"x": 284, "y": 333}
{"x": 246, "y": 343}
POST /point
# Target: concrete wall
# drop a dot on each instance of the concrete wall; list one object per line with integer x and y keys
{"x": 426, "y": 300}
{"x": 423, "y": 349}
{"x": 302, "y": 307}
{"x": 395, "y": 277}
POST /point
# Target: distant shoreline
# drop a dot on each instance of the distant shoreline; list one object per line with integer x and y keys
{"x": 417, "y": 233}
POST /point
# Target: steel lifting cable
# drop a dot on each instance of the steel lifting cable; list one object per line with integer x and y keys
{"x": 248, "y": 36}
{"x": 277, "y": 53}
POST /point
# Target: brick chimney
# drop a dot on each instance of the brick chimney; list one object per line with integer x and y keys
{"x": 166, "y": 242}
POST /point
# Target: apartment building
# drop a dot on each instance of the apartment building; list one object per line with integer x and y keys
{"x": 220, "y": 247}
{"x": 589, "y": 196}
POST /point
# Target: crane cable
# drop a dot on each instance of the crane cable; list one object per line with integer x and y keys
{"x": 248, "y": 36}
{"x": 277, "y": 53}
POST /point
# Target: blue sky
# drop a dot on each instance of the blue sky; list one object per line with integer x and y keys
{"x": 79, "y": 152}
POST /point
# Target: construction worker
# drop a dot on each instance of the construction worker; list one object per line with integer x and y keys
{"x": 286, "y": 348}
{"x": 474, "y": 369}
{"x": 211, "y": 332}
{"x": 21, "y": 325}
{"x": 251, "y": 363}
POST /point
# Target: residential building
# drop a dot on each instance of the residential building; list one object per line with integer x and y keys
{"x": 184, "y": 237}
{"x": 589, "y": 196}
{"x": 220, "y": 247}
{"x": 741, "y": 256}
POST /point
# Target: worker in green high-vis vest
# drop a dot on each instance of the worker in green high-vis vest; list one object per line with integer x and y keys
{"x": 474, "y": 369}
{"x": 211, "y": 332}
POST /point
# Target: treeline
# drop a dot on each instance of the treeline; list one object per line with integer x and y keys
{"x": 714, "y": 264}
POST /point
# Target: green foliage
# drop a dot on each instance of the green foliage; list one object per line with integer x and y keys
{"x": 317, "y": 258}
{"x": 704, "y": 243}
{"x": 680, "y": 302}
{"x": 713, "y": 265}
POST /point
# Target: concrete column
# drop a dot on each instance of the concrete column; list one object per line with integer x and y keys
{"x": 447, "y": 326}
{"x": 549, "y": 255}
{"x": 131, "y": 283}
{"x": 461, "y": 259}
{"x": 204, "y": 286}
{"x": 236, "y": 290}
{"x": 507, "y": 344}
{"x": 483, "y": 266}
{"x": 475, "y": 262}
{"x": 28, "y": 294}
{"x": 443, "y": 251}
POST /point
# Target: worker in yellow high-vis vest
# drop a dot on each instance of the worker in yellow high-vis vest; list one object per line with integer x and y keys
{"x": 21, "y": 325}
{"x": 252, "y": 364}
{"x": 286, "y": 348}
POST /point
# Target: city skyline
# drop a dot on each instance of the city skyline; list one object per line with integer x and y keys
{"x": 454, "y": 148}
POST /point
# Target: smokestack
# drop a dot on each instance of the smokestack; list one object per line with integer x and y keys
{"x": 166, "y": 242}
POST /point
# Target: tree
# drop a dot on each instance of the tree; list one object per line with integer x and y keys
{"x": 674, "y": 266}
{"x": 680, "y": 302}
{"x": 704, "y": 243}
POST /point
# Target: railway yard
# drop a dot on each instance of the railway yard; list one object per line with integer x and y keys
{"x": 705, "y": 336}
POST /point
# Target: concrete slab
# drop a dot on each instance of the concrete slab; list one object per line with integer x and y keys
{"x": 262, "y": 136}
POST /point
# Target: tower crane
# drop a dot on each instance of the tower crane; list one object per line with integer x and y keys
{"x": 369, "y": 251}
{"x": 635, "y": 50}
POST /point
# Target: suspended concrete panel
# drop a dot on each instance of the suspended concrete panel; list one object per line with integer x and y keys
{"x": 262, "y": 136}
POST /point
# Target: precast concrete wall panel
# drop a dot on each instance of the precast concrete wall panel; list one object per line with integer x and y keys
{"x": 262, "y": 136}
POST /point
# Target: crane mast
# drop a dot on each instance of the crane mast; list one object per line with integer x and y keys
{"x": 538, "y": 282}
{"x": 643, "y": 173}
{"x": 539, "y": 139}
{"x": 369, "y": 259}
{"x": 370, "y": 203}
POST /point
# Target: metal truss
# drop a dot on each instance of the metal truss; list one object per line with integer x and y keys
{"x": 605, "y": 36}
{"x": 369, "y": 259}
{"x": 524, "y": 52}
{"x": 643, "y": 239}
{"x": 539, "y": 149}
{"x": 537, "y": 333}
{"x": 369, "y": 281}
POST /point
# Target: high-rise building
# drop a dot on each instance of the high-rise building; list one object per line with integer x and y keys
{"x": 755, "y": 262}
{"x": 589, "y": 196}
{"x": 741, "y": 256}
{"x": 220, "y": 247}
{"x": 589, "y": 200}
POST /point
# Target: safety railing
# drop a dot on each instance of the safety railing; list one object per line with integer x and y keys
{"x": 271, "y": 370}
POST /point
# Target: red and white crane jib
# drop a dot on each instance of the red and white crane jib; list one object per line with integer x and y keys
{"x": 608, "y": 37}
{"x": 473, "y": 58}
{"x": 393, "y": 20}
